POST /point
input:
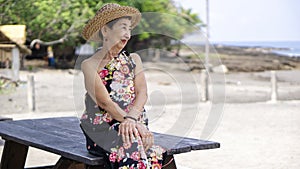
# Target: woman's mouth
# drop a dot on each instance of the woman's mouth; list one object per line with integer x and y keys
{"x": 123, "y": 41}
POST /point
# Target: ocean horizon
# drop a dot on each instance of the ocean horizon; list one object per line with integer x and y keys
{"x": 292, "y": 47}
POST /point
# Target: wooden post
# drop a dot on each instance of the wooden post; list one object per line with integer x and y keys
{"x": 30, "y": 93}
{"x": 150, "y": 52}
{"x": 15, "y": 63}
{"x": 157, "y": 55}
{"x": 22, "y": 61}
{"x": 207, "y": 38}
{"x": 204, "y": 85}
{"x": 273, "y": 86}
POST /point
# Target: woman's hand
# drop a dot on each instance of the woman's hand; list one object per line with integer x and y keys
{"x": 128, "y": 130}
{"x": 146, "y": 135}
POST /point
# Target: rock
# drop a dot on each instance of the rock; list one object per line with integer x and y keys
{"x": 73, "y": 71}
{"x": 220, "y": 69}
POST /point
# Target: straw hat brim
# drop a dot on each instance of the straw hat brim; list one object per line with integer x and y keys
{"x": 90, "y": 31}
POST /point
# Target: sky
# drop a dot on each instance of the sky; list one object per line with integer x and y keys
{"x": 249, "y": 20}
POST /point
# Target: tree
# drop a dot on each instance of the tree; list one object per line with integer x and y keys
{"x": 56, "y": 20}
{"x": 48, "y": 20}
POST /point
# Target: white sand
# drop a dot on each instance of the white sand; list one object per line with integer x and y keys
{"x": 253, "y": 133}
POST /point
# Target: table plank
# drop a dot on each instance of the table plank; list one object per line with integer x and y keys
{"x": 59, "y": 127}
{"x": 51, "y": 141}
{"x": 177, "y": 145}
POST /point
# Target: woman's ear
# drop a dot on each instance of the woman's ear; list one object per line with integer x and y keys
{"x": 104, "y": 31}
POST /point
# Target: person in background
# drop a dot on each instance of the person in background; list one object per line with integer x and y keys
{"x": 50, "y": 56}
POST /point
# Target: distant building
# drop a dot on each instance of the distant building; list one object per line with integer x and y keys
{"x": 84, "y": 50}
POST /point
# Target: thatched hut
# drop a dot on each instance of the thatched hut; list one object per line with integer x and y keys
{"x": 12, "y": 49}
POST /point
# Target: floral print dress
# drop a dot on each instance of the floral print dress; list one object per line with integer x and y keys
{"x": 101, "y": 130}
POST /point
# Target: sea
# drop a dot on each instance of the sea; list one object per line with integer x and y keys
{"x": 291, "y": 48}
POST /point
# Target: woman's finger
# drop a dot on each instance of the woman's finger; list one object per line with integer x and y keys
{"x": 149, "y": 140}
{"x": 136, "y": 132}
{"x": 131, "y": 132}
{"x": 122, "y": 131}
{"x": 144, "y": 140}
{"x": 127, "y": 133}
{"x": 142, "y": 130}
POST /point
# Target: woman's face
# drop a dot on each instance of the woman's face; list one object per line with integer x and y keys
{"x": 118, "y": 36}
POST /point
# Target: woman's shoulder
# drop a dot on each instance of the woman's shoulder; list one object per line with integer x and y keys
{"x": 136, "y": 57}
{"x": 89, "y": 63}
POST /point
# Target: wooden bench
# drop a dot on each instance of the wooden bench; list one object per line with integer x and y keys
{"x": 64, "y": 137}
{"x": 5, "y": 118}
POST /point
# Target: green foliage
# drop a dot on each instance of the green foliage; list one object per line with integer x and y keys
{"x": 7, "y": 86}
{"x": 53, "y": 19}
{"x": 48, "y": 19}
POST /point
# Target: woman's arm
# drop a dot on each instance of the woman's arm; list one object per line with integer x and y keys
{"x": 97, "y": 90}
{"x": 140, "y": 87}
{"x": 99, "y": 94}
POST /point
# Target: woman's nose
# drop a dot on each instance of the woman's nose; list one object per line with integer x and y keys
{"x": 127, "y": 35}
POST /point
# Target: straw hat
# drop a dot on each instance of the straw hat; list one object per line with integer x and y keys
{"x": 105, "y": 14}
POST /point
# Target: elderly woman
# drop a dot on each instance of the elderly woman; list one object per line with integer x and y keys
{"x": 114, "y": 121}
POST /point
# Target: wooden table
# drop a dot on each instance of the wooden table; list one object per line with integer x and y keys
{"x": 64, "y": 137}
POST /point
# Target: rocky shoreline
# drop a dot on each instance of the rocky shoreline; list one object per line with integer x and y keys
{"x": 243, "y": 59}
{"x": 244, "y": 50}
{"x": 254, "y": 59}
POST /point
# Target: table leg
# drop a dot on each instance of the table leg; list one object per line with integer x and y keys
{"x": 169, "y": 162}
{"x": 14, "y": 155}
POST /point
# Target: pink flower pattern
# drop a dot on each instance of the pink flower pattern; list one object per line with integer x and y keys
{"x": 113, "y": 157}
{"x": 135, "y": 156}
{"x": 107, "y": 118}
{"x": 97, "y": 120}
{"x": 103, "y": 73}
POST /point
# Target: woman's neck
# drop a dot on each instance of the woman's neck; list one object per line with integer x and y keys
{"x": 105, "y": 55}
{"x": 110, "y": 52}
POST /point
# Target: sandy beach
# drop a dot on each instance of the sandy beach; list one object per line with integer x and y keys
{"x": 254, "y": 132}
